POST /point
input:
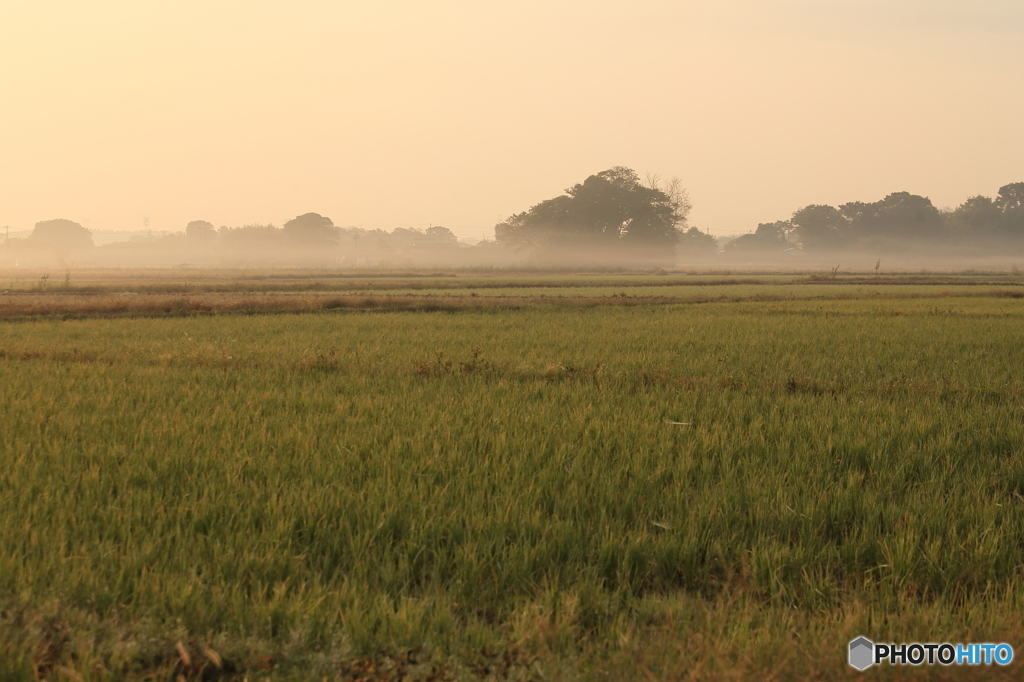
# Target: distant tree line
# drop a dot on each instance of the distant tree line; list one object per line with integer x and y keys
{"x": 611, "y": 217}
{"x": 309, "y": 239}
{"x": 901, "y": 222}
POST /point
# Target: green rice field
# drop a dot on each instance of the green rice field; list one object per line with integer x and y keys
{"x": 729, "y": 481}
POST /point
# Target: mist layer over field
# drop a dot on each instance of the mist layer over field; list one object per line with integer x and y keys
{"x": 613, "y": 219}
{"x": 369, "y": 254}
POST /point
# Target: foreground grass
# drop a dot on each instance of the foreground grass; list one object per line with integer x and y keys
{"x": 607, "y": 492}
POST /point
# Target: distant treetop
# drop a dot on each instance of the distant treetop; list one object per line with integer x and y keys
{"x": 200, "y": 229}
{"x": 1011, "y": 197}
{"x": 903, "y": 220}
{"x": 61, "y": 234}
{"x": 612, "y": 209}
{"x": 311, "y": 229}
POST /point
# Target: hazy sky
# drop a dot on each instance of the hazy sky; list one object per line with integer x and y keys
{"x": 388, "y": 113}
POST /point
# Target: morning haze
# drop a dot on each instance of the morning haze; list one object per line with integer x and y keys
{"x": 481, "y": 341}
{"x": 399, "y": 114}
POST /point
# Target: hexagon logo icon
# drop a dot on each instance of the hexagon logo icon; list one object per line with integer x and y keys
{"x": 862, "y": 653}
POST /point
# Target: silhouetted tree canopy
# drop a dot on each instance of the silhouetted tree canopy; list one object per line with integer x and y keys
{"x": 775, "y": 233}
{"x": 441, "y": 235}
{"x": 311, "y": 229}
{"x": 250, "y": 237}
{"x": 998, "y": 221}
{"x": 977, "y": 217}
{"x": 900, "y": 215}
{"x": 1011, "y": 197}
{"x": 819, "y": 226}
{"x": 61, "y": 234}
{"x": 200, "y": 229}
{"x": 907, "y": 221}
{"x": 695, "y": 241}
{"x": 610, "y": 211}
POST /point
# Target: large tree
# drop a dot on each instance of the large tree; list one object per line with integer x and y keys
{"x": 900, "y": 215}
{"x": 695, "y": 242}
{"x": 442, "y": 235}
{"x": 976, "y": 219}
{"x": 61, "y": 235}
{"x": 200, "y": 229}
{"x": 311, "y": 230}
{"x": 995, "y": 221}
{"x": 820, "y": 227}
{"x": 775, "y": 233}
{"x": 1011, "y": 197}
{"x": 1010, "y": 202}
{"x": 611, "y": 212}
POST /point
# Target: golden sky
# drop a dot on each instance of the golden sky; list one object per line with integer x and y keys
{"x": 391, "y": 113}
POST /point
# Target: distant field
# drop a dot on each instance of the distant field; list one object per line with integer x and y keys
{"x": 177, "y": 292}
{"x": 728, "y": 478}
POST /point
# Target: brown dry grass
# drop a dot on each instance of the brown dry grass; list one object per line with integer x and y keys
{"x": 164, "y": 305}
{"x": 27, "y": 305}
{"x": 184, "y": 280}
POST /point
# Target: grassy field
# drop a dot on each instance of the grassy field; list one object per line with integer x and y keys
{"x": 728, "y": 479}
{"x": 110, "y": 293}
